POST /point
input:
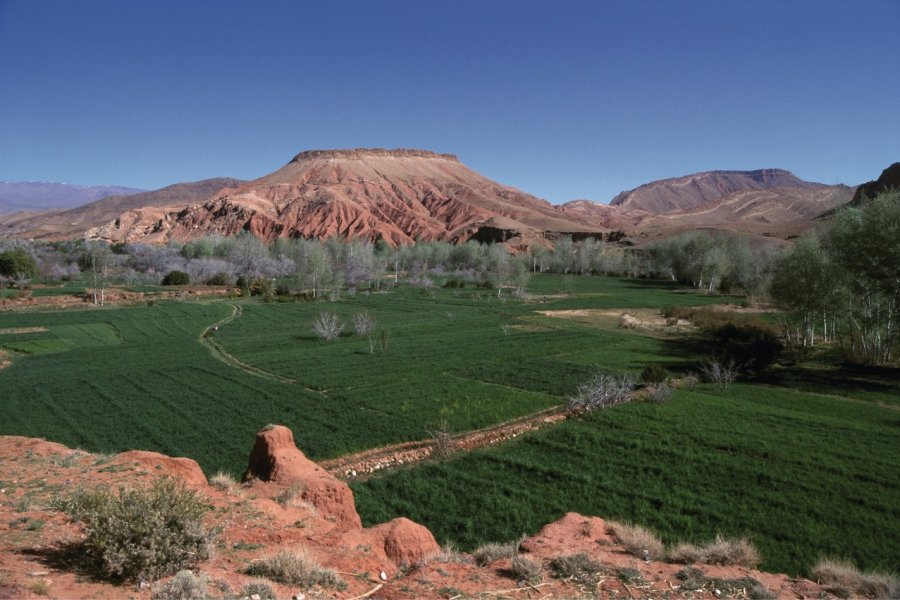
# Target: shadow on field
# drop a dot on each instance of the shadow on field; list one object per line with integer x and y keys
{"x": 837, "y": 380}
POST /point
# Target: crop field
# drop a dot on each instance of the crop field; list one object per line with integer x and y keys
{"x": 801, "y": 474}
{"x": 111, "y": 379}
{"x": 800, "y": 460}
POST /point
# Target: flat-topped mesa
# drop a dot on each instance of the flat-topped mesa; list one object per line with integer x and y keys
{"x": 364, "y": 152}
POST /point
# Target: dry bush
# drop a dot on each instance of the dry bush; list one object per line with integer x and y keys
{"x": 259, "y": 588}
{"x": 660, "y": 393}
{"x": 602, "y": 391}
{"x": 722, "y": 551}
{"x": 184, "y": 586}
{"x": 720, "y": 372}
{"x": 525, "y": 569}
{"x": 363, "y": 324}
{"x": 579, "y": 567}
{"x": 327, "y": 326}
{"x": 295, "y": 568}
{"x": 488, "y": 553}
{"x": 442, "y": 444}
{"x": 448, "y": 554}
{"x": 142, "y": 533}
{"x": 224, "y": 482}
{"x": 843, "y": 579}
{"x": 637, "y": 540}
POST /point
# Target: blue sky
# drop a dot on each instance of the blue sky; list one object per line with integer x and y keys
{"x": 561, "y": 99}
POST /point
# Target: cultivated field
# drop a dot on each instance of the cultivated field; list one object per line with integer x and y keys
{"x": 801, "y": 461}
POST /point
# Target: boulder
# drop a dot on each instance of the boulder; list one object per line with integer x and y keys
{"x": 276, "y": 458}
{"x": 405, "y": 542}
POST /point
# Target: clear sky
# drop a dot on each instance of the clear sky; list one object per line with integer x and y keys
{"x": 562, "y": 99}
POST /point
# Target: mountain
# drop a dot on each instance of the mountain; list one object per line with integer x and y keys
{"x": 72, "y": 223}
{"x": 680, "y": 194}
{"x": 889, "y": 179}
{"x": 40, "y": 195}
{"x": 395, "y": 195}
{"x": 405, "y": 195}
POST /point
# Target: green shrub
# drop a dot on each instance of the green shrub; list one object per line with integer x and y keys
{"x": 176, "y": 278}
{"x": 654, "y": 373}
{"x": 17, "y": 261}
{"x": 141, "y": 533}
{"x": 219, "y": 279}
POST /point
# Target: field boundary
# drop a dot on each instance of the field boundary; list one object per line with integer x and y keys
{"x": 219, "y": 353}
{"x": 360, "y": 465}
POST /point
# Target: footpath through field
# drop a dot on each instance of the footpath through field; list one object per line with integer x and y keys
{"x": 362, "y": 464}
{"x": 218, "y": 352}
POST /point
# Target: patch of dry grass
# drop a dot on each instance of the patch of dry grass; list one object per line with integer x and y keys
{"x": 637, "y": 540}
{"x": 224, "y": 482}
{"x": 722, "y": 551}
{"x": 295, "y": 568}
{"x": 843, "y": 579}
{"x": 488, "y": 553}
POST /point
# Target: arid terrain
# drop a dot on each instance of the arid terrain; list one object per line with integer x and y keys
{"x": 400, "y": 196}
{"x": 289, "y": 503}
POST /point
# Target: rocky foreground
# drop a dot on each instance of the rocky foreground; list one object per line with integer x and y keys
{"x": 289, "y": 503}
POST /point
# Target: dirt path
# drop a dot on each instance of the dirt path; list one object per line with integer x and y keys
{"x": 361, "y": 465}
{"x": 215, "y": 348}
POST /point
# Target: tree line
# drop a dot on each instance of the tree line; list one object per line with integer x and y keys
{"x": 841, "y": 285}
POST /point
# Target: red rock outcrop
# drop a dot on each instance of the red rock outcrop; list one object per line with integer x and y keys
{"x": 276, "y": 458}
{"x": 153, "y": 462}
{"x": 405, "y": 542}
{"x": 398, "y": 560}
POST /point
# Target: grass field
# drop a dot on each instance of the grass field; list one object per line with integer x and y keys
{"x": 801, "y": 461}
{"x": 801, "y": 474}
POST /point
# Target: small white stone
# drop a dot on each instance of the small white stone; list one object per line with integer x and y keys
{"x": 255, "y": 597}
{"x": 383, "y": 576}
{"x": 299, "y": 596}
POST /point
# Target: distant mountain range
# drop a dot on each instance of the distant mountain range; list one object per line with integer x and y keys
{"x": 18, "y": 196}
{"x": 405, "y": 195}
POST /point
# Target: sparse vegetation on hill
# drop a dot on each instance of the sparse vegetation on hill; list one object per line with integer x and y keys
{"x": 140, "y": 533}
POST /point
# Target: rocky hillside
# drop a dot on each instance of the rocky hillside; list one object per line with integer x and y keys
{"x": 681, "y": 194}
{"x": 34, "y": 196}
{"x": 72, "y": 223}
{"x": 889, "y": 179}
{"x": 288, "y": 503}
{"x": 400, "y": 196}
{"x": 394, "y": 195}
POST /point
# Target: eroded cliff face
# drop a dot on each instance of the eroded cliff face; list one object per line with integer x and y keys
{"x": 394, "y": 195}
{"x": 288, "y": 503}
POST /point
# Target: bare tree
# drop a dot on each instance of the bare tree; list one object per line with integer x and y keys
{"x": 441, "y": 440}
{"x": 363, "y": 324}
{"x": 602, "y": 391}
{"x": 721, "y": 372}
{"x": 327, "y": 326}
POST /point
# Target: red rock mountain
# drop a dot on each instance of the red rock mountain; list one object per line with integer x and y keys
{"x": 403, "y": 195}
{"x": 681, "y": 194}
{"x": 395, "y": 195}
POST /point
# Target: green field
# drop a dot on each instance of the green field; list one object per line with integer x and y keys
{"x": 801, "y": 461}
